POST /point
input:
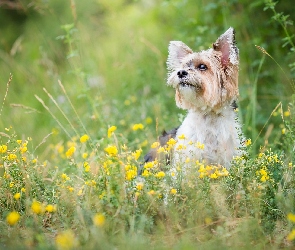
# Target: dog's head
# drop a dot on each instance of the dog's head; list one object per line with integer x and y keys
{"x": 205, "y": 80}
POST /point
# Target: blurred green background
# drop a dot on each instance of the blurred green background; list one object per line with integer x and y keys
{"x": 111, "y": 57}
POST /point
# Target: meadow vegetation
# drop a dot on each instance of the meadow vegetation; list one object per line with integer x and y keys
{"x": 83, "y": 99}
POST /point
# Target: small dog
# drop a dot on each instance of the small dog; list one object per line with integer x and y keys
{"x": 206, "y": 85}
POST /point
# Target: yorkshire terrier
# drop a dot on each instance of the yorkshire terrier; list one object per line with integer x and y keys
{"x": 206, "y": 85}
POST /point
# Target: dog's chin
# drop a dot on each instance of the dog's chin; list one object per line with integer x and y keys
{"x": 185, "y": 84}
{"x": 189, "y": 85}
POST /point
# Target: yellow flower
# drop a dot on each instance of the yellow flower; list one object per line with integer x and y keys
{"x": 213, "y": 176}
{"x": 71, "y": 189}
{"x": 287, "y": 113}
{"x": 127, "y": 102}
{"x": 160, "y": 174}
{"x": 7, "y": 129}
{"x": 139, "y": 186}
{"x": 12, "y": 157}
{"x": 50, "y": 208}
{"x": 291, "y": 235}
{"x": 66, "y": 240}
{"x": 84, "y": 138}
{"x": 180, "y": 147}
{"x": 86, "y": 166}
{"x": 111, "y": 130}
{"x": 80, "y": 192}
{"x": 161, "y": 150}
{"x": 149, "y": 164}
{"x": 200, "y": 145}
{"x": 208, "y": 220}
{"x": 55, "y": 131}
{"x": 264, "y": 174}
{"x": 23, "y": 190}
{"x": 137, "y": 126}
{"x": 60, "y": 149}
{"x": 23, "y": 149}
{"x": 182, "y": 137}
{"x": 133, "y": 98}
{"x": 248, "y": 142}
{"x": 12, "y": 218}
{"x": 291, "y": 217}
{"x": 65, "y": 177}
{"x": 171, "y": 142}
{"x": 264, "y": 178}
{"x": 99, "y": 220}
{"x": 131, "y": 172}
{"x": 155, "y": 145}
{"x": 151, "y": 192}
{"x": 148, "y": 120}
{"x": 223, "y": 172}
{"x": 283, "y": 131}
{"x": 173, "y": 191}
{"x": 144, "y": 143}
{"x": 34, "y": 161}
{"x": 137, "y": 154}
{"x": 16, "y": 196}
{"x": 70, "y": 152}
{"x": 111, "y": 150}
{"x": 11, "y": 184}
{"x": 145, "y": 173}
{"x": 37, "y": 207}
{"x": 84, "y": 155}
{"x": 19, "y": 141}
{"x": 3, "y": 149}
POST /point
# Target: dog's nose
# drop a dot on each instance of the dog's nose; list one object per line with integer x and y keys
{"x": 181, "y": 73}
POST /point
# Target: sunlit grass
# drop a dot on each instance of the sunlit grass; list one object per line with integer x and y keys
{"x": 85, "y": 105}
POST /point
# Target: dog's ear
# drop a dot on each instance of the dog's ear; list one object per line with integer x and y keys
{"x": 177, "y": 51}
{"x": 227, "y": 45}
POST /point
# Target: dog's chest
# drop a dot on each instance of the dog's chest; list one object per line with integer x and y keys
{"x": 213, "y": 138}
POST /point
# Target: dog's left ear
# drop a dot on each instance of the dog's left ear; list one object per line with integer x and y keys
{"x": 226, "y": 43}
{"x": 177, "y": 51}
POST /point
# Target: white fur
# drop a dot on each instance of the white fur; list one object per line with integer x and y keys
{"x": 219, "y": 134}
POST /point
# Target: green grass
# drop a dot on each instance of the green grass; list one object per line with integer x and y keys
{"x": 81, "y": 69}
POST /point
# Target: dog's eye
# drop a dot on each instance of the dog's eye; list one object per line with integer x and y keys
{"x": 202, "y": 67}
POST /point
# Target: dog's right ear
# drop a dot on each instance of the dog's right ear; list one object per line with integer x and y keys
{"x": 177, "y": 51}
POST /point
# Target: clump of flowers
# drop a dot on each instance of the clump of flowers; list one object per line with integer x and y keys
{"x": 3, "y": 149}
{"x": 12, "y": 218}
{"x": 70, "y": 152}
{"x": 248, "y": 142}
{"x": 211, "y": 171}
{"x": 50, "y": 208}
{"x": 262, "y": 173}
{"x": 84, "y": 138}
{"x": 66, "y": 240}
{"x": 99, "y": 220}
{"x": 160, "y": 174}
{"x": 137, "y": 126}
{"x": 37, "y": 207}
{"x": 137, "y": 154}
{"x": 111, "y": 130}
{"x": 111, "y": 150}
{"x": 130, "y": 172}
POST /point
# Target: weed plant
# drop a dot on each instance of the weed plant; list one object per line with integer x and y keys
{"x": 77, "y": 186}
